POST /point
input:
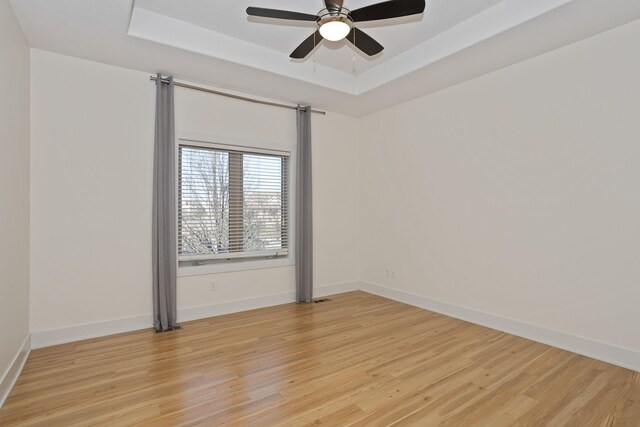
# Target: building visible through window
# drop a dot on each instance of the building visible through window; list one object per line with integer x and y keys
{"x": 231, "y": 204}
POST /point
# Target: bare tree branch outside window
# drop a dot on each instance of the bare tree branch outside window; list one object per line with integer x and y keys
{"x": 231, "y": 202}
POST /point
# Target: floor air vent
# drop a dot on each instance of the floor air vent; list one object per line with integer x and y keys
{"x": 318, "y": 301}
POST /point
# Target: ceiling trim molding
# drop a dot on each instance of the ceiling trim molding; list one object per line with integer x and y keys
{"x": 505, "y": 15}
{"x": 158, "y": 28}
{"x": 494, "y": 37}
{"x": 491, "y": 22}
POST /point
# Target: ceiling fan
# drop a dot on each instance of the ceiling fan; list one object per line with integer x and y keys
{"x": 336, "y": 22}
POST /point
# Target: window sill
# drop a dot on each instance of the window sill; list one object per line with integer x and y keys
{"x": 258, "y": 264}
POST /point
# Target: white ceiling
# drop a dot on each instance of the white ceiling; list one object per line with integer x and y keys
{"x": 213, "y": 42}
{"x": 396, "y": 35}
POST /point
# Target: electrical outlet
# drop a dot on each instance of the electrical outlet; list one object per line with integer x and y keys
{"x": 212, "y": 286}
{"x": 391, "y": 273}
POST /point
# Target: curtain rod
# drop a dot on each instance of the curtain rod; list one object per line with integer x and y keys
{"x": 230, "y": 95}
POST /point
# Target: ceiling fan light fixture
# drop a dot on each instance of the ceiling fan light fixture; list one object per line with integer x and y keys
{"x": 335, "y": 30}
{"x": 336, "y": 22}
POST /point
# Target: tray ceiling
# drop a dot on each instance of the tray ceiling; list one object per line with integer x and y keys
{"x": 213, "y": 42}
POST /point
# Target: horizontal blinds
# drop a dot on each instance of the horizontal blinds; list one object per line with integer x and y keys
{"x": 231, "y": 203}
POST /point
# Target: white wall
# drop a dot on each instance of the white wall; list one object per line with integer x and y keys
{"x": 14, "y": 188}
{"x": 92, "y": 145}
{"x": 516, "y": 193}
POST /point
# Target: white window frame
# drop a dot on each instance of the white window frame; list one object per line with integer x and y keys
{"x": 224, "y": 264}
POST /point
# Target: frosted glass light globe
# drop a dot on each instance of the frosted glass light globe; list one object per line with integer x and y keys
{"x": 334, "y": 30}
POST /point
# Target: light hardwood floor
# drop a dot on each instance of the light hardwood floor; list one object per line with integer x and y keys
{"x": 357, "y": 360}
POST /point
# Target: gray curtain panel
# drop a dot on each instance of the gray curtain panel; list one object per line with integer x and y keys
{"x": 304, "y": 216}
{"x": 164, "y": 210}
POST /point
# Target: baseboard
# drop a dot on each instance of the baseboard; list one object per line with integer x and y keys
{"x": 9, "y": 378}
{"x": 338, "y": 288}
{"x": 68, "y": 334}
{"x": 605, "y": 352}
{"x": 595, "y": 349}
{"x": 202, "y": 312}
{"x": 228, "y": 307}
{"x": 85, "y": 331}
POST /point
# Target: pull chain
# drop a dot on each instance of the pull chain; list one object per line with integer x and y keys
{"x": 354, "y": 60}
{"x": 315, "y": 54}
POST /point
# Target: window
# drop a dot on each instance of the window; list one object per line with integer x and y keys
{"x": 231, "y": 203}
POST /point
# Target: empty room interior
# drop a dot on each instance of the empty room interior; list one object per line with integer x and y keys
{"x": 320, "y": 212}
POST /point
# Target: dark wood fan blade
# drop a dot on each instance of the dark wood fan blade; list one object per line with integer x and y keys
{"x": 387, "y": 10}
{"x": 306, "y": 46}
{"x": 364, "y": 42}
{"x": 333, "y": 6}
{"x": 280, "y": 14}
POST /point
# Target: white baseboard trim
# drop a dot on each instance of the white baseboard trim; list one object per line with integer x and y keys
{"x": 591, "y": 348}
{"x": 204, "y": 311}
{"x": 338, "y": 288}
{"x": 605, "y": 352}
{"x": 10, "y": 376}
{"x": 69, "y": 334}
{"x": 228, "y": 307}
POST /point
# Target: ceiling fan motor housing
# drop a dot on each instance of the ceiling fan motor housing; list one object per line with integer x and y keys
{"x": 326, "y": 15}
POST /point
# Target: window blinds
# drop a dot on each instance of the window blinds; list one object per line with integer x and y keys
{"x": 232, "y": 203}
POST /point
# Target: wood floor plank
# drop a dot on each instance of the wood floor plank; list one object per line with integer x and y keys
{"x": 357, "y": 360}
